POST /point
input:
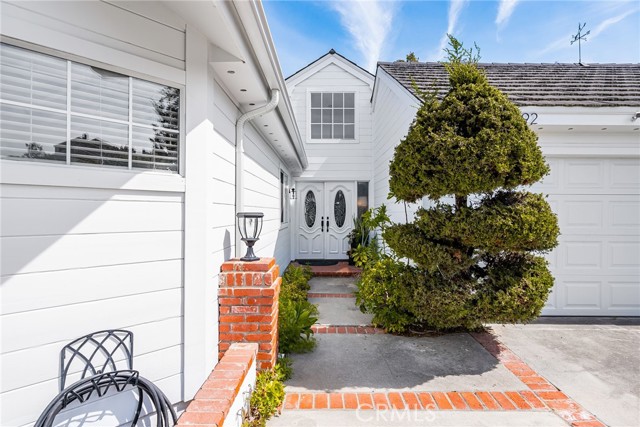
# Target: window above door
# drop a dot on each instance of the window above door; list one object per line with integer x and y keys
{"x": 331, "y": 117}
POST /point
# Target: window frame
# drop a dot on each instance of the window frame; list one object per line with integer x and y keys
{"x": 367, "y": 195}
{"x": 310, "y": 140}
{"x": 62, "y": 173}
{"x": 284, "y": 199}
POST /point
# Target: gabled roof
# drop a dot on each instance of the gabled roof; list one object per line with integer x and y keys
{"x": 330, "y": 57}
{"x": 568, "y": 85}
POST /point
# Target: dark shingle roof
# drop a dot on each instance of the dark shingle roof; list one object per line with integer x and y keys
{"x": 568, "y": 85}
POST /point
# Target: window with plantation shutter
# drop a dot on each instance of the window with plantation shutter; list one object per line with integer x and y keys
{"x": 62, "y": 111}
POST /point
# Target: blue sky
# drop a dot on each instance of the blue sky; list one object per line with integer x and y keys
{"x": 505, "y": 30}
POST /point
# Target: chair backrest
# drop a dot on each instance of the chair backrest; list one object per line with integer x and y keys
{"x": 98, "y": 352}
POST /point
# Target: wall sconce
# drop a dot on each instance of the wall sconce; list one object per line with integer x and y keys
{"x": 292, "y": 192}
{"x": 250, "y": 227}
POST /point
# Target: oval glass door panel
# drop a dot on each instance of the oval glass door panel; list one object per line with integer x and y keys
{"x": 340, "y": 209}
{"x": 310, "y": 209}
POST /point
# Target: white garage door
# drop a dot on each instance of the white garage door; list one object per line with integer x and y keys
{"x": 597, "y": 264}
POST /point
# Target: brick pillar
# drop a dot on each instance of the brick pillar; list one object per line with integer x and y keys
{"x": 248, "y": 298}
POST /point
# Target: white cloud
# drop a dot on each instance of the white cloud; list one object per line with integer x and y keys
{"x": 455, "y": 8}
{"x": 564, "y": 42}
{"x": 369, "y": 24}
{"x": 609, "y": 22}
{"x": 505, "y": 9}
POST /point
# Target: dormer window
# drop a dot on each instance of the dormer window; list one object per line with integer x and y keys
{"x": 332, "y": 116}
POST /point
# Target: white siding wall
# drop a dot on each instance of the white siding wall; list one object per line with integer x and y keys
{"x": 93, "y": 248}
{"x": 336, "y": 161}
{"x": 261, "y": 182}
{"x": 78, "y": 260}
{"x": 393, "y": 112}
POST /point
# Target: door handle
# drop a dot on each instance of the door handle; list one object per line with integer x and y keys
{"x": 327, "y": 224}
{"x": 322, "y": 225}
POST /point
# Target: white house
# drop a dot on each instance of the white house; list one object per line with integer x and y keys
{"x": 119, "y": 182}
{"x": 131, "y": 133}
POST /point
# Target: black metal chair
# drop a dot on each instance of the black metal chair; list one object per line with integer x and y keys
{"x": 102, "y": 351}
{"x": 97, "y": 357}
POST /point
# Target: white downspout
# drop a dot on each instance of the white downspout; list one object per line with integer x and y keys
{"x": 248, "y": 116}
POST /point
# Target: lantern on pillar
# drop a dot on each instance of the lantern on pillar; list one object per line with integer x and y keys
{"x": 250, "y": 227}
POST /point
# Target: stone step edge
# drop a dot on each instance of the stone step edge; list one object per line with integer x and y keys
{"x": 346, "y": 329}
{"x": 335, "y": 274}
{"x": 329, "y": 295}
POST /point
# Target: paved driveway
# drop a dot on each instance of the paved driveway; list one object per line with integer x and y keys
{"x": 595, "y": 361}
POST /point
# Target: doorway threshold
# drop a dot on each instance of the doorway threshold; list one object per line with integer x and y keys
{"x": 340, "y": 269}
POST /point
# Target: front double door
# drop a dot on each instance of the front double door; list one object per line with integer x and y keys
{"x": 324, "y": 219}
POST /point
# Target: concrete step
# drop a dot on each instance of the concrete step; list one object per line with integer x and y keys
{"x": 340, "y": 311}
{"x": 333, "y": 285}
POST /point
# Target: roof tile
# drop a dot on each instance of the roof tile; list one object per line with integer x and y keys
{"x": 569, "y": 85}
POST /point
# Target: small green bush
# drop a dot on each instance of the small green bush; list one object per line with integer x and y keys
{"x": 297, "y": 315}
{"x": 267, "y": 396}
{"x": 284, "y": 368}
{"x": 294, "y": 329}
{"x": 295, "y": 283}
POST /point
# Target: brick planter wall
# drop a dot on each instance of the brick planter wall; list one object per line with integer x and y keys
{"x": 219, "y": 400}
{"x": 248, "y": 296}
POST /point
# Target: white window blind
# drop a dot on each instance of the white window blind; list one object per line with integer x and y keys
{"x": 56, "y": 110}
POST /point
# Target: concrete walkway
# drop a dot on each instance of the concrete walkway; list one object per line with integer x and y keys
{"x": 576, "y": 374}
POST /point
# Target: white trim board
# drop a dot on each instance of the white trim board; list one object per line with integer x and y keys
{"x": 324, "y": 62}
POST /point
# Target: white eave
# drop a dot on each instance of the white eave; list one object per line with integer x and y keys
{"x": 243, "y": 56}
{"x": 332, "y": 57}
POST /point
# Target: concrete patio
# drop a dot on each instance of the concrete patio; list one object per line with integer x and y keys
{"x": 554, "y": 372}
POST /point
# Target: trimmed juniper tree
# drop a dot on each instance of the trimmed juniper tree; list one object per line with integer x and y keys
{"x": 475, "y": 254}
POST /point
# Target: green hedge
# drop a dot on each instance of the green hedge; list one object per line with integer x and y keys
{"x": 296, "y": 314}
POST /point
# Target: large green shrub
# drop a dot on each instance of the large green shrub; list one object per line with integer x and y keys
{"x": 474, "y": 256}
{"x": 296, "y": 314}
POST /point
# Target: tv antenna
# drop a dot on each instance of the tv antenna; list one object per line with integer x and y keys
{"x": 578, "y": 38}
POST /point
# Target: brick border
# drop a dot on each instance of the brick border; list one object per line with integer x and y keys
{"x": 346, "y": 329}
{"x": 420, "y": 400}
{"x": 568, "y": 409}
{"x": 328, "y": 295}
